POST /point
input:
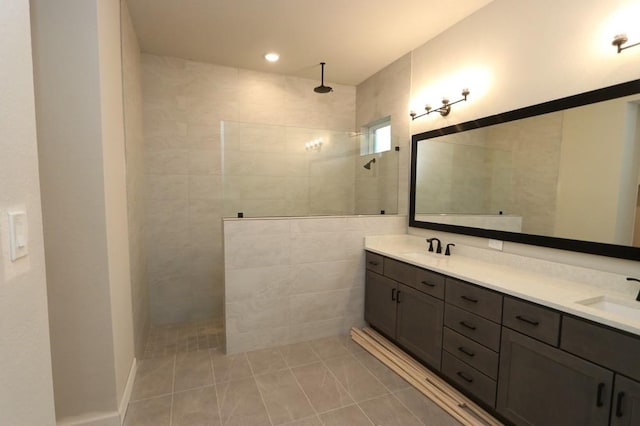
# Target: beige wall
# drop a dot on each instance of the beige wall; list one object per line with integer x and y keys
{"x": 597, "y": 134}
{"x": 26, "y": 390}
{"x": 503, "y": 57}
{"x": 134, "y": 138}
{"x": 115, "y": 188}
{"x": 184, "y": 103}
{"x": 82, "y": 175}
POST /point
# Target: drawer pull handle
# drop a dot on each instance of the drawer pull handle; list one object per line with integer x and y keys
{"x": 393, "y": 294}
{"x": 398, "y": 296}
{"x": 428, "y": 283}
{"x": 465, "y": 377}
{"x": 599, "y": 402}
{"x": 469, "y": 299}
{"x": 467, "y": 325}
{"x": 371, "y": 262}
{"x": 619, "y": 412}
{"x": 527, "y": 320}
{"x": 466, "y": 351}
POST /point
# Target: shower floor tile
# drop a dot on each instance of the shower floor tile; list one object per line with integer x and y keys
{"x": 172, "y": 339}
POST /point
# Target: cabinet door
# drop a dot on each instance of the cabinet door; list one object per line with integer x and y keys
{"x": 626, "y": 402}
{"x": 541, "y": 385}
{"x": 380, "y": 303}
{"x": 419, "y": 324}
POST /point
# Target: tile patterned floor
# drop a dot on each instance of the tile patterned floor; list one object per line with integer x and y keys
{"x": 330, "y": 381}
{"x": 172, "y": 339}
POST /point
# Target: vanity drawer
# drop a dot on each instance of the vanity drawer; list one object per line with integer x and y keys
{"x": 474, "y": 327}
{"x": 533, "y": 320}
{"x": 483, "y": 359}
{"x": 374, "y": 262}
{"x": 430, "y": 282}
{"x": 478, "y": 300}
{"x": 612, "y": 349}
{"x": 469, "y": 378}
{"x": 399, "y": 271}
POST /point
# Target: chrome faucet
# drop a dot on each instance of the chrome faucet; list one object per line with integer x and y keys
{"x": 635, "y": 279}
{"x": 438, "y": 247}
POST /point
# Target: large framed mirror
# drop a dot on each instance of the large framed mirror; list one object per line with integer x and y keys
{"x": 563, "y": 174}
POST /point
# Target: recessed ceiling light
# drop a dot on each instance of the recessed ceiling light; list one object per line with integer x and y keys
{"x": 272, "y": 57}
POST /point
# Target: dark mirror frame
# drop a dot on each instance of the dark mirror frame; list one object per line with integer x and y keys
{"x": 602, "y": 249}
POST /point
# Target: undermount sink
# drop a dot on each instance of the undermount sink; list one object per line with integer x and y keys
{"x": 626, "y": 308}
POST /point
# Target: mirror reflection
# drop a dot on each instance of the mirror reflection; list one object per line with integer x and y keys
{"x": 571, "y": 174}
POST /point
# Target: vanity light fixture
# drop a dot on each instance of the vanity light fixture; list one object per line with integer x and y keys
{"x": 272, "y": 57}
{"x": 621, "y": 39}
{"x": 444, "y": 110}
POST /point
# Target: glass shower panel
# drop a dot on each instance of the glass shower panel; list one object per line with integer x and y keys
{"x": 271, "y": 170}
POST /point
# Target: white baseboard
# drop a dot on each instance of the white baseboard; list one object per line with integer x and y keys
{"x": 126, "y": 395}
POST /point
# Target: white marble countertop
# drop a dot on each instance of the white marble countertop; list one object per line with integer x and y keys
{"x": 545, "y": 289}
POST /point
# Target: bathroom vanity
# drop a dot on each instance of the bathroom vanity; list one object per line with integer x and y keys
{"x": 533, "y": 348}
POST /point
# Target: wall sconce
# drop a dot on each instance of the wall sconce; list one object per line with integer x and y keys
{"x": 313, "y": 145}
{"x": 621, "y": 39}
{"x": 444, "y": 110}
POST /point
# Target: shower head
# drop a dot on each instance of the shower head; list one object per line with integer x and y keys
{"x": 322, "y": 88}
{"x": 368, "y": 165}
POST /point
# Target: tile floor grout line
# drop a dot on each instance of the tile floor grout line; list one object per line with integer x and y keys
{"x": 213, "y": 376}
{"x": 173, "y": 385}
{"x": 315, "y": 411}
{"x": 253, "y": 376}
{"x": 336, "y": 377}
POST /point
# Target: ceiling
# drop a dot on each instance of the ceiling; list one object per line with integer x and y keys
{"x": 356, "y": 38}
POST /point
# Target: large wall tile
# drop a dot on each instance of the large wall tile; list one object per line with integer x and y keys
{"x": 291, "y": 280}
{"x": 191, "y": 113}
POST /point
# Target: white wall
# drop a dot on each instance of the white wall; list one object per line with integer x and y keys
{"x": 514, "y": 53}
{"x": 82, "y": 174}
{"x": 26, "y": 390}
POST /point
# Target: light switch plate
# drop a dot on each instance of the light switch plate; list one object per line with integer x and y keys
{"x": 496, "y": 244}
{"x": 18, "y": 235}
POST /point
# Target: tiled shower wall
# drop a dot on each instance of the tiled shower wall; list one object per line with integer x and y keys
{"x": 386, "y": 94}
{"x": 294, "y": 279}
{"x": 184, "y": 103}
{"x": 269, "y": 171}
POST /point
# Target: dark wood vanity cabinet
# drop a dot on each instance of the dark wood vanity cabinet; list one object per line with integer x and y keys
{"x": 542, "y": 385}
{"x": 531, "y": 364}
{"x": 472, "y": 338}
{"x": 412, "y": 318}
{"x": 625, "y": 409}
{"x": 380, "y": 303}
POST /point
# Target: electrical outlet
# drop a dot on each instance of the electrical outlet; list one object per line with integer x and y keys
{"x": 495, "y": 244}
